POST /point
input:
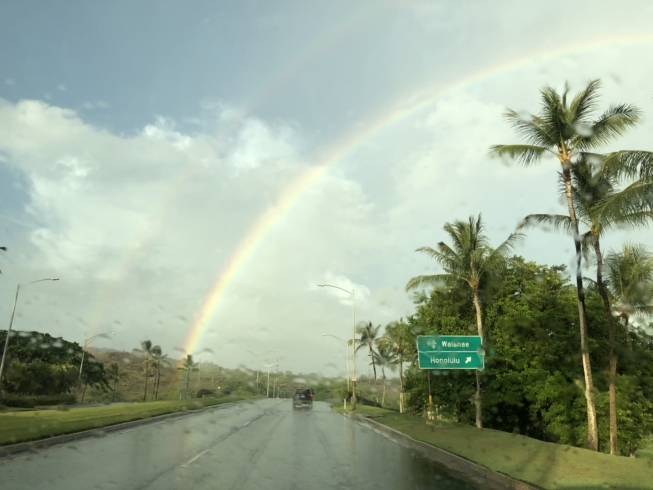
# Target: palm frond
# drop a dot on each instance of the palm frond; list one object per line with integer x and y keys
{"x": 522, "y": 154}
{"x": 558, "y": 222}
{"x": 614, "y": 122}
{"x": 584, "y": 103}
{"x": 531, "y": 129}
{"x": 630, "y": 164}
{"x": 434, "y": 280}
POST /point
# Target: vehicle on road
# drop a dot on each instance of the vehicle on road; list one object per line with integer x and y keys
{"x": 303, "y": 397}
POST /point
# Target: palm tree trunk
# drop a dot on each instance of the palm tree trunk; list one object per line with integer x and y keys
{"x": 187, "y": 381}
{"x": 477, "y": 396}
{"x": 146, "y": 373}
{"x": 383, "y": 398}
{"x": 592, "y": 427}
{"x": 115, "y": 385}
{"x": 376, "y": 390}
{"x": 83, "y": 393}
{"x": 629, "y": 339}
{"x": 401, "y": 387}
{"x": 612, "y": 376}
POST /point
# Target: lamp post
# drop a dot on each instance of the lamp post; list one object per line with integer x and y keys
{"x": 346, "y": 349}
{"x": 86, "y": 343}
{"x": 11, "y": 321}
{"x": 267, "y": 392}
{"x": 258, "y": 358}
{"x": 353, "y": 341}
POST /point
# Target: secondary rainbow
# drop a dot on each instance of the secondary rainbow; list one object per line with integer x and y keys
{"x": 264, "y": 224}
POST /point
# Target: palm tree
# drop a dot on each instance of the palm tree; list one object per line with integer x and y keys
{"x": 189, "y": 366}
{"x": 115, "y": 374}
{"x": 368, "y": 334}
{"x": 394, "y": 341}
{"x": 567, "y": 130}
{"x": 469, "y": 262}
{"x": 629, "y": 279}
{"x": 146, "y": 348}
{"x": 158, "y": 359}
{"x": 599, "y": 207}
{"x": 384, "y": 357}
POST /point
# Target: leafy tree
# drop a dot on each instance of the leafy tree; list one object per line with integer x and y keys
{"x": 189, "y": 366}
{"x": 146, "y": 348}
{"x": 39, "y": 364}
{"x": 368, "y": 335}
{"x": 567, "y": 130}
{"x": 384, "y": 357}
{"x": 395, "y": 340}
{"x": 469, "y": 262}
{"x": 116, "y": 374}
{"x": 158, "y": 359}
{"x": 600, "y": 206}
{"x": 629, "y": 280}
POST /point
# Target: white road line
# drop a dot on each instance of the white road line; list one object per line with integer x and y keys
{"x": 194, "y": 459}
{"x": 246, "y": 424}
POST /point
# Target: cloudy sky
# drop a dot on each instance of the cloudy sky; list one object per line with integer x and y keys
{"x": 209, "y": 163}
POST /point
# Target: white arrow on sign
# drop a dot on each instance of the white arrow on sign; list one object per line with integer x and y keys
{"x": 431, "y": 343}
{"x": 468, "y": 360}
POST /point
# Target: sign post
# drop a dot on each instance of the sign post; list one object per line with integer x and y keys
{"x": 448, "y": 352}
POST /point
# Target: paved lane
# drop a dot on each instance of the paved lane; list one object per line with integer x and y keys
{"x": 259, "y": 445}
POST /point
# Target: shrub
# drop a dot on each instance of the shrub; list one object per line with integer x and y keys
{"x": 17, "y": 401}
{"x": 204, "y": 391}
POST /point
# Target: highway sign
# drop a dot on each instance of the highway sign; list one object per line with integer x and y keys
{"x": 448, "y": 343}
{"x": 451, "y": 360}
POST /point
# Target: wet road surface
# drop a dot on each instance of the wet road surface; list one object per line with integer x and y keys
{"x": 254, "y": 445}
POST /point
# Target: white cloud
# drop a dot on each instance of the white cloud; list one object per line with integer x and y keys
{"x": 10, "y": 81}
{"x": 61, "y": 87}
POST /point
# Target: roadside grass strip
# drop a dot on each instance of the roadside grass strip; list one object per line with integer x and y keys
{"x": 543, "y": 464}
{"x": 24, "y": 426}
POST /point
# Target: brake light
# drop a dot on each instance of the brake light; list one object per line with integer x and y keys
{"x": 310, "y": 395}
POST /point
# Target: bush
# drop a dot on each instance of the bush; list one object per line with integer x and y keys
{"x": 17, "y": 401}
{"x": 204, "y": 391}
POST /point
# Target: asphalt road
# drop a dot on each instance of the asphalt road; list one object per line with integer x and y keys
{"x": 258, "y": 445}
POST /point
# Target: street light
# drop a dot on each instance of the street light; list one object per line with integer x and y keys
{"x": 267, "y": 392}
{"x": 86, "y": 343}
{"x": 13, "y": 311}
{"x": 81, "y": 364}
{"x": 346, "y": 348}
{"x": 353, "y": 342}
{"x": 258, "y": 358}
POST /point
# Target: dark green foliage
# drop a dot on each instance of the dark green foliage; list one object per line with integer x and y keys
{"x": 204, "y": 391}
{"x": 39, "y": 364}
{"x": 20, "y": 401}
{"x": 533, "y": 378}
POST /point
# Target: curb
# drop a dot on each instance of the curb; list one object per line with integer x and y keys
{"x": 101, "y": 431}
{"x": 468, "y": 469}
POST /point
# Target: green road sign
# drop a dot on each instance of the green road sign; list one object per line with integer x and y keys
{"x": 448, "y": 343}
{"x": 451, "y": 360}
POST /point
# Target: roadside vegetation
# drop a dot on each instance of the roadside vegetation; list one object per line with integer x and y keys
{"x": 568, "y": 351}
{"x": 29, "y": 425}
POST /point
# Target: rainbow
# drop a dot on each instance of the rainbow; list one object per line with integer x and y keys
{"x": 365, "y": 12}
{"x": 265, "y": 223}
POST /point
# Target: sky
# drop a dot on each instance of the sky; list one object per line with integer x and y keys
{"x": 191, "y": 171}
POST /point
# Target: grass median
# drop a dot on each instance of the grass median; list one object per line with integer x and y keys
{"x": 544, "y": 464}
{"x": 24, "y": 426}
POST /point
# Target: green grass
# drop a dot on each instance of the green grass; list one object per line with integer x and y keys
{"x": 646, "y": 453}
{"x": 364, "y": 410}
{"x": 547, "y": 465}
{"x": 22, "y": 426}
